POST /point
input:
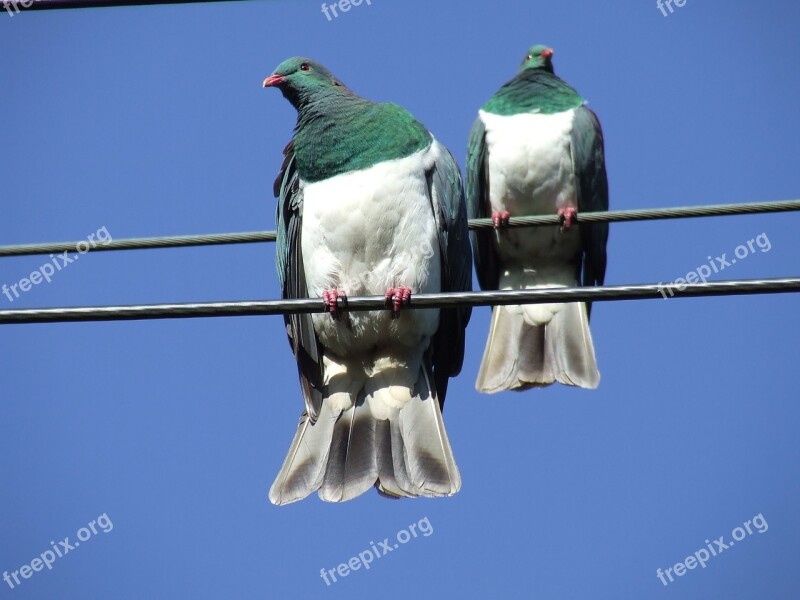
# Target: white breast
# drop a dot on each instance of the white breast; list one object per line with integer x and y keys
{"x": 531, "y": 172}
{"x": 530, "y": 168}
{"x": 365, "y": 232}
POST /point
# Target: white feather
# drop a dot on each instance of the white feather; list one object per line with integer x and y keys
{"x": 365, "y": 232}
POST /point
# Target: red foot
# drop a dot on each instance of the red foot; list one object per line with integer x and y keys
{"x": 500, "y": 219}
{"x": 397, "y": 298}
{"x": 331, "y": 298}
{"x": 567, "y": 217}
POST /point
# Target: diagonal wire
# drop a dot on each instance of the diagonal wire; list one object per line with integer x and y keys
{"x": 59, "y": 4}
{"x": 650, "y": 214}
{"x": 618, "y": 216}
{"x": 451, "y": 299}
{"x": 176, "y": 241}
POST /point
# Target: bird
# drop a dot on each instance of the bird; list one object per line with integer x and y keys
{"x": 369, "y": 203}
{"x": 537, "y": 149}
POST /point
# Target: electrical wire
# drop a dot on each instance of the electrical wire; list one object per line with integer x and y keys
{"x": 18, "y": 5}
{"x": 618, "y": 216}
{"x": 443, "y": 300}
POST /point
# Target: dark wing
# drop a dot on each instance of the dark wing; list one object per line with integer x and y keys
{"x": 289, "y": 262}
{"x": 588, "y": 159}
{"x": 446, "y": 192}
{"x": 483, "y": 244}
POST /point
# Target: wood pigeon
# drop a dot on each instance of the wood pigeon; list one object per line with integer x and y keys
{"x": 369, "y": 204}
{"x": 536, "y": 149}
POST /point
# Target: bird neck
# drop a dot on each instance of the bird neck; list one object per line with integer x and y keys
{"x": 341, "y": 132}
{"x": 534, "y": 90}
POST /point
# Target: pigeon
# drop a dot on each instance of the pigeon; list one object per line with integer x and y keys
{"x": 369, "y": 203}
{"x": 536, "y": 149}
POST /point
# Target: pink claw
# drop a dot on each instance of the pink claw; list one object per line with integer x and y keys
{"x": 397, "y": 298}
{"x": 500, "y": 219}
{"x": 567, "y": 215}
{"x": 331, "y": 300}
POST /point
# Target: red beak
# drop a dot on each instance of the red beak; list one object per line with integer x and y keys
{"x": 547, "y": 53}
{"x": 273, "y": 80}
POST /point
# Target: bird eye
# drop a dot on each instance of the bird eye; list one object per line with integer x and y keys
{"x": 530, "y": 56}
{"x": 305, "y": 67}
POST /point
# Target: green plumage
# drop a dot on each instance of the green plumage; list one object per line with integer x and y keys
{"x": 338, "y": 131}
{"x": 342, "y": 133}
{"x": 535, "y": 89}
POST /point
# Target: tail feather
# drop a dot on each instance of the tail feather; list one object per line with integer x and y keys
{"x": 304, "y": 468}
{"x": 533, "y": 363}
{"x": 393, "y": 477}
{"x": 352, "y": 461}
{"x": 428, "y": 455}
{"x": 389, "y": 438}
{"x": 569, "y": 342}
{"x": 523, "y": 350}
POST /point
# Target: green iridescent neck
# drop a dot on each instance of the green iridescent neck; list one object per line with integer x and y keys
{"x": 533, "y": 90}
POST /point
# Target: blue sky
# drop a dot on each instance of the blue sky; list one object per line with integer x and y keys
{"x": 152, "y": 121}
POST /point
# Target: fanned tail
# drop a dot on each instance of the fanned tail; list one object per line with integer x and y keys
{"x": 537, "y": 345}
{"x": 392, "y": 437}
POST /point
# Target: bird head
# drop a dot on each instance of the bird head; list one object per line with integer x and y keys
{"x": 299, "y": 79}
{"x": 538, "y": 57}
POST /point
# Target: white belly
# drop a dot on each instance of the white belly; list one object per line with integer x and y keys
{"x": 363, "y": 233}
{"x": 531, "y": 172}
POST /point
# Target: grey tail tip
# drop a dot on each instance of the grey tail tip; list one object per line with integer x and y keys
{"x": 346, "y": 452}
{"x": 520, "y": 356}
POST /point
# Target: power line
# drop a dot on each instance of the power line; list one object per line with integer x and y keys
{"x": 59, "y": 4}
{"x": 176, "y": 241}
{"x": 650, "y": 214}
{"x": 617, "y": 216}
{"x": 452, "y": 299}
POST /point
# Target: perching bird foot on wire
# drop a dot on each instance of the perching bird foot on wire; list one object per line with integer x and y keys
{"x": 397, "y": 298}
{"x": 331, "y": 300}
{"x": 568, "y": 216}
{"x": 500, "y": 218}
